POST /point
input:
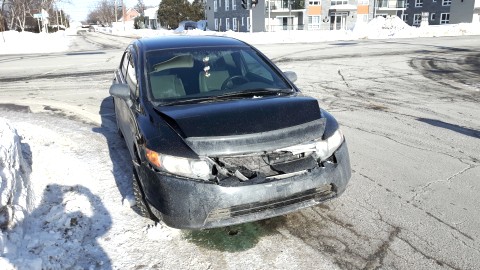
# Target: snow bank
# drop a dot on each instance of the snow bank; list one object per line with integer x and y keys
{"x": 394, "y": 27}
{"x": 15, "y": 190}
{"x": 13, "y": 42}
{"x": 378, "y": 28}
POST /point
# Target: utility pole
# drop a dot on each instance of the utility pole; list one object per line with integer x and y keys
{"x": 269, "y": 17}
{"x": 56, "y": 13}
{"x": 251, "y": 20}
{"x": 123, "y": 15}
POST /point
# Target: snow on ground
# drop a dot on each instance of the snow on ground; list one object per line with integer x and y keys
{"x": 13, "y": 42}
{"x": 378, "y": 28}
{"x": 51, "y": 223}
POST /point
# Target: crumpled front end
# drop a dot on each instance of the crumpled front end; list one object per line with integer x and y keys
{"x": 248, "y": 188}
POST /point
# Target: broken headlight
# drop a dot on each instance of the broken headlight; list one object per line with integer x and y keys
{"x": 191, "y": 168}
{"x": 325, "y": 148}
{"x": 322, "y": 149}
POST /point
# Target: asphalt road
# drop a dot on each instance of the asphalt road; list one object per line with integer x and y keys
{"x": 409, "y": 109}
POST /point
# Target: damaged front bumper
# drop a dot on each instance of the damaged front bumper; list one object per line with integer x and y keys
{"x": 183, "y": 203}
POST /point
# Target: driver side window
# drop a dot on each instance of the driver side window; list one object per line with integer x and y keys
{"x": 131, "y": 76}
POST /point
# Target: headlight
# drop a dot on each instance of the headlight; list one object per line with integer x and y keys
{"x": 192, "y": 168}
{"x": 326, "y": 148}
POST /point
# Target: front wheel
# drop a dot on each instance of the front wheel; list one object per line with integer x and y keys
{"x": 141, "y": 204}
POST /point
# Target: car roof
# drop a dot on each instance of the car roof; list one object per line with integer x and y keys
{"x": 169, "y": 42}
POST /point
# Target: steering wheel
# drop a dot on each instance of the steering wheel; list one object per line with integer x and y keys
{"x": 231, "y": 81}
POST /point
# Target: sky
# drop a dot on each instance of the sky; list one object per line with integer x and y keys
{"x": 79, "y": 9}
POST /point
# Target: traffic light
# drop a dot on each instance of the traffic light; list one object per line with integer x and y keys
{"x": 246, "y": 4}
{"x": 253, "y": 3}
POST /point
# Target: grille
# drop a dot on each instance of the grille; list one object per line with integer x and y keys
{"x": 318, "y": 194}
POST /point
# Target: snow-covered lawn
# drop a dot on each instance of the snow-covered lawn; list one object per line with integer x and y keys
{"x": 13, "y": 42}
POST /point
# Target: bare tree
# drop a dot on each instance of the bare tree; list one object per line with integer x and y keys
{"x": 104, "y": 12}
{"x": 18, "y": 14}
{"x": 140, "y": 6}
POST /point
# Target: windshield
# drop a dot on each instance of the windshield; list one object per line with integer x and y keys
{"x": 199, "y": 74}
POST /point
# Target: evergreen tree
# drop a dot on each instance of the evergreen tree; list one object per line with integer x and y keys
{"x": 172, "y": 12}
{"x": 197, "y": 10}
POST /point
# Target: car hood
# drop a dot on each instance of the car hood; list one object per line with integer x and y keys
{"x": 246, "y": 125}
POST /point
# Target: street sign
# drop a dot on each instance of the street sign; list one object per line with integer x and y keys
{"x": 37, "y": 15}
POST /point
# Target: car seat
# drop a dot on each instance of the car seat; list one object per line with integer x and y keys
{"x": 166, "y": 86}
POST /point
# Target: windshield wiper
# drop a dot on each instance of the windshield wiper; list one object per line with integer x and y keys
{"x": 257, "y": 92}
{"x": 245, "y": 93}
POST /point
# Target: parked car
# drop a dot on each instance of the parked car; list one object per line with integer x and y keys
{"x": 218, "y": 135}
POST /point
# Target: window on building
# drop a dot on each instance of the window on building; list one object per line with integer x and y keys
{"x": 248, "y": 23}
{"x": 227, "y": 5}
{"x": 446, "y": 3}
{"x": 215, "y": 6}
{"x": 314, "y": 3}
{"x": 314, "y": 22}
{"x": 216, "y": 24}
{"x": 432, "y": 17}
{"x": 234, "y": 5}
{"x": 227, "y": 24}
{"x": 338, "y": 2}
{"x": 418, "y": 3}
{"x": 405, "y": 17}
{"x": 417, "y": 19}
{"x": 444, "y": 18}
{"x": 234, "y": 21}
{"x": 407, "y": 3}
{"x": 243, "y": 24}
{"x": 362, "y": 17}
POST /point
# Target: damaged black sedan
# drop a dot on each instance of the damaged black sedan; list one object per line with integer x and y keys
{"x": 218, "y": 135}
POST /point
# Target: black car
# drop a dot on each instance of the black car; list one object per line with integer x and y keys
{"x": 218, "y": 135}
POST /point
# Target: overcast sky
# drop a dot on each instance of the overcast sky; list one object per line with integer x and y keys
{"x": 78, "y": 9}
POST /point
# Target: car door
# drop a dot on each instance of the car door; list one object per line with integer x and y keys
{"x": 127, "y": 110}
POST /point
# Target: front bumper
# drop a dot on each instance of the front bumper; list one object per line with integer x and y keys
{"x": 189, "y": 204}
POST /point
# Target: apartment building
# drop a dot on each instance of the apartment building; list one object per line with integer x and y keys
{"x": 283, "y": 15}
{"x": 225, "y": 15}
{"x": 438, "y": 11}
{"x": 344, "y": 14}
{"x": 465, "y": 11}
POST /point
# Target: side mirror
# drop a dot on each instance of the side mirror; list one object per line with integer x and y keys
{"x": 120, "y": 90}
{"x": 291, "y": 75}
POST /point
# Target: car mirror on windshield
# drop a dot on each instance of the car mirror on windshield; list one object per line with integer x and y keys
{"x": 120, "y": 90}
{"x": 291, "y": 75}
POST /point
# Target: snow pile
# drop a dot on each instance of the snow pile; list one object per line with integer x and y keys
{"x": 12, "y": 42}
{"x": 15, "y": 190}
{"x": 60, "y": 229}
{"x": 449, "y": 30}
{"x": 381, "y": 27}
{"x": 394, "y": 27}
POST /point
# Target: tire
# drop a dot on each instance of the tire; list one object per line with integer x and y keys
{"x": 141, "y": 204}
